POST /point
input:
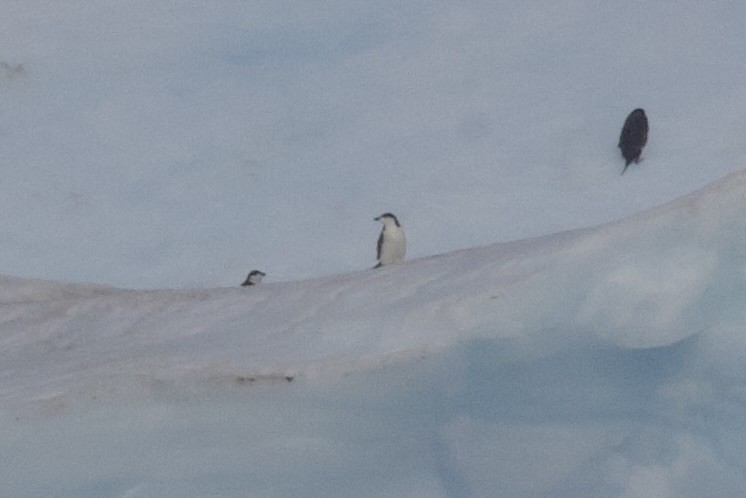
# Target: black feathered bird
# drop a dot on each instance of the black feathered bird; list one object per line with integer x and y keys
{"x": 634, "y": 137}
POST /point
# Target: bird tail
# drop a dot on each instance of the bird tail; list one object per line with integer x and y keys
{"x": 377, "y": 266}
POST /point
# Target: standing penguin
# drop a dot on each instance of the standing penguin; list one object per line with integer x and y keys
{"x": 634, "y": 137}
{"x": 254, "y": 277}
{"x": 392, "y": 245}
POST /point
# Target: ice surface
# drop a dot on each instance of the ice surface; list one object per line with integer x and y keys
{"x": 599, "y": 362}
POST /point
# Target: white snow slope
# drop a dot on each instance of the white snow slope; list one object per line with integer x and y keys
{"x": 601, "y": 362}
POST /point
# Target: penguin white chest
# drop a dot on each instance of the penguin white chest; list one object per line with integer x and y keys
{"x": 394, "y": 245}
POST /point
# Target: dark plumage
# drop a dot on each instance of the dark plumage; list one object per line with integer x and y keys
{"x": 634, "y": 137}
{"x": 254, "y": 277}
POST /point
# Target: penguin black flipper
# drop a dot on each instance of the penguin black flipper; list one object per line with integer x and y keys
{"x": 392, "y": 244}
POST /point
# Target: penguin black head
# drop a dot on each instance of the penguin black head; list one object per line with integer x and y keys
{"x": 389, "y": 216}
{"x": 254, "y": 277}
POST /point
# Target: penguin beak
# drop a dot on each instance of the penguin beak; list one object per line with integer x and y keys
{"x": 378, "y": 218}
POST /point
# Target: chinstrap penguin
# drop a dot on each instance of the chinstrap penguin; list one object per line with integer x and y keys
{"x": 634, "y": 137}
{"x": 254, "y": 277}
{"x": 392, "y": 245}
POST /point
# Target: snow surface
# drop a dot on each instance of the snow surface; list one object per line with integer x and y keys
{"x": 600, "y": 362}
{"x": 150, "y": 145}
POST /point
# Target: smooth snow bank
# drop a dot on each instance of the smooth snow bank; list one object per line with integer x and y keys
{"x": 601, "y": 362}
{"x": 648, "y": 281}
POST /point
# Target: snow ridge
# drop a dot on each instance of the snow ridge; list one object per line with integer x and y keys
{"x": 657, "y": 278}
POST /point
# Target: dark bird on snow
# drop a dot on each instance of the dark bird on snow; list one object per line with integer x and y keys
{"x": 254, "y": 277}
{"x": 392, "y": 245}
{"x": 634, "y": 137}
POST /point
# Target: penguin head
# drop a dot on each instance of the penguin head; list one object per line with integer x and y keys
{"x": 388, "y": 218}
{"x": 254, "y": 277}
